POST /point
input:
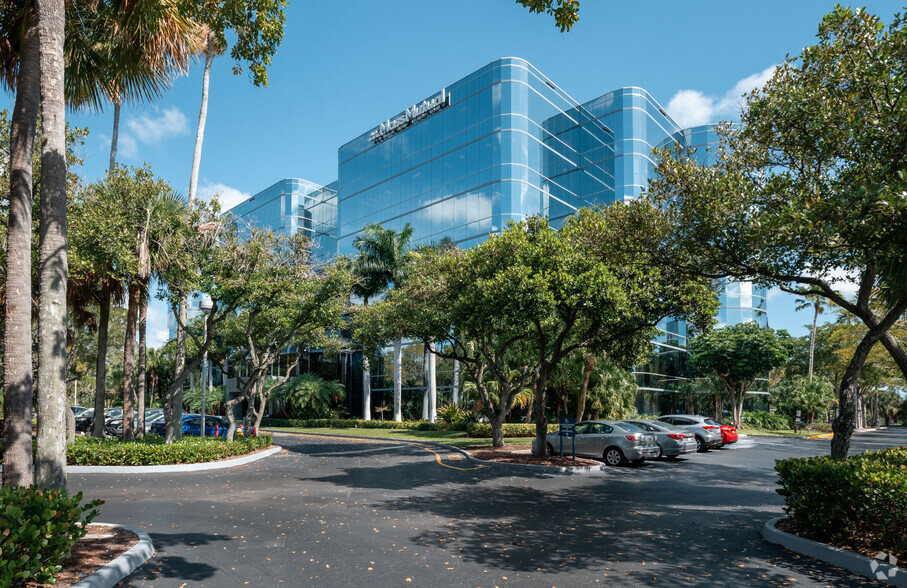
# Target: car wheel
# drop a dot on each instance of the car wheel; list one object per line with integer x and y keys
{"x": 660, "y": 453}
{"x": 550, "y": 449}
{"x": 701, "y": 447}
{"x": 613, "y": 456}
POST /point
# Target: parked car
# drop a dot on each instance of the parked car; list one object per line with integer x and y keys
{"x": 79, "y": 410}
{"x": 611, "y": 441}
{"x": 215, "y": 426}
{"x": 728, "y": 434}
{"x": 707, "y": 431}
{"x": 84, "y": 420}
{"x": 672, "y": 441}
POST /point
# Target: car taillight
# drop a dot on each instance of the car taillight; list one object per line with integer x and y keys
{"x": 676, "y": 436}
{"x": 709, "y": 427}
{"x": 632, "y": 437}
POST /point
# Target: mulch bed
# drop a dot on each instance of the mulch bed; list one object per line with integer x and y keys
{"x": 507, "y": 455}
{"x": 865, "y": 545}
{"x": 91, "y": 554}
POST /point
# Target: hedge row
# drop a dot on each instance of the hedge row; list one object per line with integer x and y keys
{"x": 153, "y": 451}
{"x": 766, "y": 421}
{"x": 362, "y": 424}
{"x": 39, "y": 527}
{"x": 838, "y": 500}
{"x": 483, "y": 430}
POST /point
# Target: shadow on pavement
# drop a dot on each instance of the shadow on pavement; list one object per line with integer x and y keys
{"x": 164, "y": 565}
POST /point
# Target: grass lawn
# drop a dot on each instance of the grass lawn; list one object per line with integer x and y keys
{"x": 455, "y": 438}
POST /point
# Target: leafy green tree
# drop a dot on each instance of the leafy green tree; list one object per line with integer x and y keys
{"x": 214, "y": 399}
{"x": 738, "y": 355}
{"x": 809, "y": 188}
{"x": 382, "y": 263}
{"x": 808, "y": 396}
{"x": 286, "y": 303}
{"x": 565, "y": 12}
{"x": 310, "y": 396}
{"x": 889, "y": 405}
{"x": 612, "y": 391}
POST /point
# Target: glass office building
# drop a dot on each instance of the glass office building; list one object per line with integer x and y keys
{"x": 501, "y": 144}
{"x": 292, "y": 206}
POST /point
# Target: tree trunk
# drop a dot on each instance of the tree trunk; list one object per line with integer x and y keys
{"x": 115, "y": 136}
{"x": 132, "y": 312}
{"x": 366, "y": 388}
{"x": 497, "y": 431}
{"x": 812, "y": 340}
{"x": 432, "y": 385}
{"x": 100, "y": 381}
{"x": 50, "y": 458}
{"x": 875, "y": 410}
{"x": 17, "y": 350}
{"x": 141, "y": 372}
{"x": 398, "y": 380}
{"x": 70, "y": 426}
{"x": 455, "y": 385}
{"x": 202, "y": 116}
{"x": 738, "y": 409}
{"x": 844, "y": 423}
{"x": 173, "y": 400}
{"x": 588, "y": 366}
{"x": 541, "y": 421}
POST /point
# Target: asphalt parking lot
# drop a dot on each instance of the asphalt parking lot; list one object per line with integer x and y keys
{"x": 340, "y": 512}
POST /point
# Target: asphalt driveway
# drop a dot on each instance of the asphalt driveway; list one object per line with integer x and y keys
{"x": 342, "y": 512}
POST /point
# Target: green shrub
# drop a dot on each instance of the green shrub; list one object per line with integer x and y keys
{"x": 766, "y": 421}
{"x": 483, "y": 430}
{"x": 862, "y": 496}
{"x": 39, "y": 529}
{"x": 151, "y": 450}
{"x": 361, "y": 424}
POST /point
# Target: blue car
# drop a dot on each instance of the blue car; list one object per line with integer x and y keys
{"x": 215, "y": 426}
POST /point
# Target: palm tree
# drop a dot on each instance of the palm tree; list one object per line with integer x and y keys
{"x": 383, "y": 262}
{"x": 366, "y": 287}
{"x": 818, "y": 305}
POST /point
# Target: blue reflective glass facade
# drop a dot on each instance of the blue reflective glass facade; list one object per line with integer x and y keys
{"x": 500, "y": 144}
{"x": 291, "y": 206}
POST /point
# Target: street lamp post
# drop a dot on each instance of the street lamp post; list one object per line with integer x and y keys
{"x": 205, "y": 306}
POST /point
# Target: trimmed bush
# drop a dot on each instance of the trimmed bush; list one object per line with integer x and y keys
{"x": 864, "y": 496}
{"x": 361, "y": 424}
{"x": 39, "y": 527}
{"x": 766, "y": 421}
{"x": 153, "y": 451}
{"x": 483, "y": 430}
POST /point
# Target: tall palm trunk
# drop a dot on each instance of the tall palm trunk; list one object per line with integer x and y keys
{"x": 588, "y": 366}
{"x": 100, "y": 381}
{"x": 455, "y": 385}
{"x": 141, "y": 375}
{"x": 115, "y": 135}
{"x": 50, "y": 458}
{"x": 366, "y": 387}
{"x": 812, "y": 340}
{"x": 425, "y": 393}
{"x": 398, "y": 380}
{"x": 174, "y": 401}
{"x": 132, "y": 311}
{"x": 17, "y": 352}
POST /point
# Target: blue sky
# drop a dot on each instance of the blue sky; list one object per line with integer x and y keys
{"x": 347, "y": 65}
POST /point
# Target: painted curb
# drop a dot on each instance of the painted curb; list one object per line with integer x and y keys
{"x": 123, "y": 565}
{"x": 563, "y": 470}
{"x": 841, "y": 558}
{"x": 179, "y": 467}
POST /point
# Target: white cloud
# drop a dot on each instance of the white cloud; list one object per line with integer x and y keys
{"x": 147, "y": 129}
{"x": 228, "y": 197}
{"x": 775, "y": 293}
{"x": 691, "y": 107}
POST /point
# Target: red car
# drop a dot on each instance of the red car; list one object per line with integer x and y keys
{"x": 728, "y": 434}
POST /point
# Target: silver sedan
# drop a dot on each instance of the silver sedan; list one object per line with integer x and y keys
{"x": 672, "y": 441}
{"x": 611, "y": 441}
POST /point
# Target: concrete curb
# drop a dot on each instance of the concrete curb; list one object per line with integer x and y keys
{"x": 871, "y": 568}
{"x": 178, "y": 467}
{"x": 122, "y": 566}
{"x": 563, "y": 470}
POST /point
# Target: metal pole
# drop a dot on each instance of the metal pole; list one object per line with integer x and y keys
{"x": 205, "y": 373}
